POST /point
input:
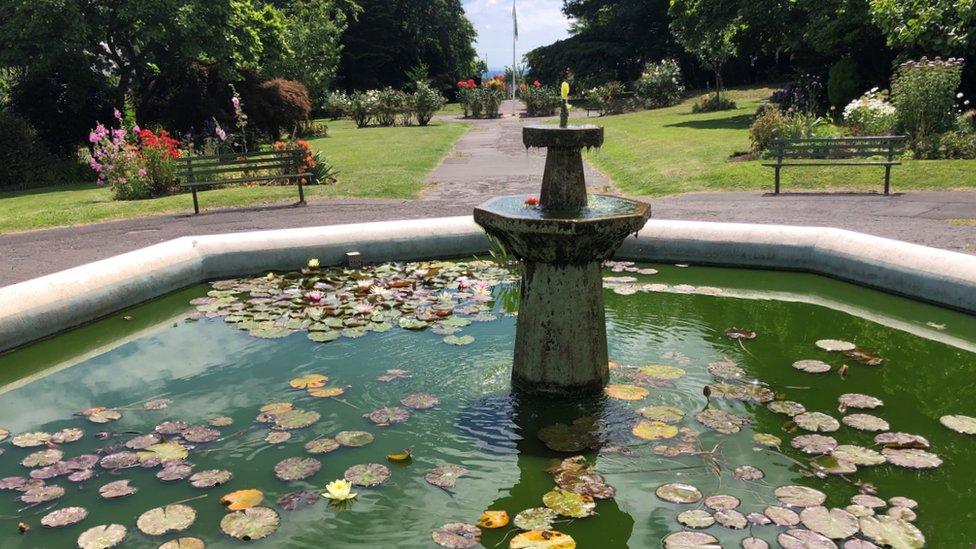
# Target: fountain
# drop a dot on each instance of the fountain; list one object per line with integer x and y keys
{"x": 561, "y": 239}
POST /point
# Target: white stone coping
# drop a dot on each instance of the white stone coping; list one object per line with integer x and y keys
{"x": 50, "y": 304}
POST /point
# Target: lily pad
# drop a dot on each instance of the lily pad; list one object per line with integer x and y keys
{"x": 183, "y": 543}
{"x": 835, "y": 345}
{"x": 666, "y": 414}
{"x": 324, "y": 336}
{"x": 104, "y": 536}
{"x": 65, "y": 436}
{"x": 142, "y": 442}
{"x": 814, "y": 444}
{"x": 41, "y": 494}
{"x": 64, "y": 517}
{"x": 170, "y": 428}
{"x": 457, "y": 535}
{"x": 812, "y": 366}
{"x": 250, "y": 524}
{"x": 662, "y": 371}
{"x": 726, "y": 369}
{"x": 174, "y": 470}
{"x": 544, "y": 539}
{"x": 117, "y": 489}
{"x": 696, "y": 518}
{"x": 754, "y": 543}
{"x": 321, "y": 445}
{"x": 677, "y": 492}
{"x": 389, "y": 415}
{"x": 625, "y": 392}
{"x": 367, "y": 475}
{"x": 296, "y": 468}
{"x": 691, "y": 540}
{"x": 199, "y": 434}
{"x": 30, "y": 440}
{"x": 960, "y": 424}
{"x": 163, "y": 520}
{"x": 740, "y": 333}
{"x": 911, "y": 458}
{"x": 721, "y": 421}
{"x": 119, "y": 460}
{"x": 354, "y": 438}
{"x": 653, "y": 430}
{"x": 868, "y": 500}
{"x": 858, "y": 400}
{"x": 569, "y": 504}
{"x": 890, "y": 531}
{"x": 459, "y": 340}
{"x": 327, "y": 392}
{"x": 816, "y": 421}
{"x": 833, "y": 523}
{"x": 295, "y": 419}
{"x": 242, "y": 499}
{"x": 786, "y": 407}
{"x": 157, "y": 404}
{"x": 798, "y": 538}
{"x": 747, "y": 472}
{"x": 164, "y": 451}
{"x": 767, "y": 440}
{"x": 445, "y": 476}
{"x": 277, "y": 437}
{"x": 101, "y": 414}
{"x": 732, "y": 519}
{"x": 745, "y": 392}
{"x": 858, "y": 455}
{"x": 535, "y": 518}
{"x": 864, "y": 356}
{"x": 781, "y": 516}
{"x": 865, "y": 422}
{"x": 42, "y": 458}
{"x": 721, "y": 502}
{"x": 799, "y": 496}
{"x": 420, "y": 401}
{"x": 901, "y": 441}
{"x": 210, "y": 478}
{"x": 900, "y": 501}
{"x": 492, "y": 519}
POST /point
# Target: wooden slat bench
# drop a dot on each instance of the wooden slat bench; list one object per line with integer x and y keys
{"x": 198, "y": 172}
{"x": 838, "y": 151}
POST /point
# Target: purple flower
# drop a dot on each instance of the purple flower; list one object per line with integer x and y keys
{"x": 221, "y": 134}
{"x": 117, "y": 114}
{"x": 235, "y": 100}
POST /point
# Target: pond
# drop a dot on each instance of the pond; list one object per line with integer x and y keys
{"x": 695, "y": 351}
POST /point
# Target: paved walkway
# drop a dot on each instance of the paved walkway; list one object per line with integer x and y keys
{"x": 490, "y": 160}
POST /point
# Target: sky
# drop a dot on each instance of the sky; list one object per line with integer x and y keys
{"x": 540, "y": 22}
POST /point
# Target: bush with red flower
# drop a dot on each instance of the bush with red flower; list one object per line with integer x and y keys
{"x": 481, "y": 101}
{"x": 539, "y": 100}
{"x": 310, "y": 162}
{"x": 136, "y": 163}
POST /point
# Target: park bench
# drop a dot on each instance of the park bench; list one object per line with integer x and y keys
{"x": 198, "y": 172}
{"x": 838, "y": 151}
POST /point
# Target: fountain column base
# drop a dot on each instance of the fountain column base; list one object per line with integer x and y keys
{"x": 560, "y": 341}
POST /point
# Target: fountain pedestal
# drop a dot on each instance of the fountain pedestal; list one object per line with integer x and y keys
{"x": 561, "y": 341}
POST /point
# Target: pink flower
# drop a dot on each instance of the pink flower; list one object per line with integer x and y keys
{"x": 117, "y": 114}
{"x": 136, "y": 129}
{"x": 236, "y": 102}
{"x": 142, "y": 172}
{"x": 221, "y": 134}
{"x": 314, "y": 296}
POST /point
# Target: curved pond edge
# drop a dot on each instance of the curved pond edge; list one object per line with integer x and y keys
{"x": 44, "y": 306}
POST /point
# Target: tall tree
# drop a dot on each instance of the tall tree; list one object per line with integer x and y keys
{"x": 932, "y": 27}
{"x": 708, "y": 29}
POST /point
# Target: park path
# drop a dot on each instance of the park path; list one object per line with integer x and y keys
{"x": 487, "y": 161}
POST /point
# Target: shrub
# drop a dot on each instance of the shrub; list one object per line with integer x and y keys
{"x": 802, "y": 94}
{"x": 425, "y": 102}
{"x": 158, "y": 153}
{"x": 490, "y": 96}
{"x": 843, "y": 82}
{"x": 660, "y": 84}
{"x": 608, "y": 98}
{"x": 336, "y": 105}
{"x": 362, "y": 107}
{"x": 539, "y": 100}
{"x": 871, "y": 114}
{"x": 322, "y": 173}
{"x": 772, "y": 123}
{"x": 389, "y": 103}
{"x": 279, "y": 105}
{"x": 957, "y": 144}
{"x": 466, "y": 94}
{"x": 311, "y": 129}
{"x": 924, "y": 93}
{"x": 24, "y": 160}
{"x": 708, "y": 103}
{"x": 138, "y": 164}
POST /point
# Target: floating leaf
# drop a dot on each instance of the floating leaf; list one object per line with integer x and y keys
{"x": 295, "y": 419}
{"x": 691, "y": 540}
{"x": 326, "y": 392}
{"x": 864, "y": 356}
{"x": 833, "y": 523}
{"x": 4, "y": 433}
{"x": 868, "y": 500}
{"x": 865, "y": 422}
{"x": 814, "y": 444}
{"x": 164, "y": 451}
{"x": 170, "y": 428}
{"x": 720, "y": 420}
{"x": 297, "y": 500}
{"x": 900, "y": 501}
{"x": 835, "y": 345}
{"x": 277, "y": 437}
{"x": 493, "y": 519}
{"x": 569, "y": 504}
{"x": 730, "y": 518}
{"x": 726, "y": 369}
{"x": 163, "y": 520}
{"x": 812, "y": 366}
{"x": 767, "y": 440}
{"x": 459, "y": 340}
{"x": 831, "y": 465}
{"x": 367, "y": 475}
{"x": 740, "y": 333}
{"x": 42, "y": 458}
{"x": 65, "y": 436}
{"x": 696, "y": 518}
{"x": 198, "y": 434}
{"x": 242, "y": 499}
{"x": 781, "y": 516}
{"x": 174, "y": 470}
{"x": 117, "y": 489}
{"x": 662, "y": 371}
{"x": 653, "y": 430}
{"x": 535, "y": 518}
{"x": 390, "y": 415}
{"x": 445, "y": 476}
{"x": 625, "y": 392}
{"x": 157, "y": 404}
{"x": 858, "y": 400}
{"x": 321, "y": 445}
{"x": 296, "y": 468}
{"x": 420, "y": 401}
{"x": 30, "y": 440}
{"x": 858, "y": 455}
{"x": 250, "y": 524}
{"x": 542, "y": 539}
{"x": 354, "y": 438}
{"x": 277, "y": 407}
{"x": 786, "y": 407}
{"x": 960, "y": 424}
{"x": 721, "y": 502}
{"x": 100, "y": 414}
{"x": 754, "y": 543}
{"x": 41, "y": 494}
{"x": 890, "y": 531}
{"x": 804, "y": 539}
{"x": 746, "y": 392}
{"x": 747, "y": 472}
{"x": 901, "y": 440}
{"x": 210, "y": 478}
{"x": 400, "y": 457}
{"x": 105, "y": 536}
{"x": 324, "y": 336}
{"x": 64, "y": 517}
{"x": 903, "y": 513}
{"x": 457, "y": 535}
{"x": 816, "y": 421}
{"x": 799, "y": 496}
{"x": 911, "y": 458}
{"x": 183, "y": 543}
{"x": 678, "y": 493}
{"x": 309, "y": 381}
{"x": 667, "y": 414}
{"x": 144, "y": 441}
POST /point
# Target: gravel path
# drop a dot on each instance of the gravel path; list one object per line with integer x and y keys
{"x": 490, "y": 160}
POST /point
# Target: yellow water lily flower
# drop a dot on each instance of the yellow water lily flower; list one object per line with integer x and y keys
{"x": 313, "y": 263}
{"x": 564, "y": 90}
{"x": 339, "y": 490}
{"x": 270, "y": 276}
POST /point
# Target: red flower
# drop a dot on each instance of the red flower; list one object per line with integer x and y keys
{"x": 532, "y": 201}
{"x": 537, "y": 84}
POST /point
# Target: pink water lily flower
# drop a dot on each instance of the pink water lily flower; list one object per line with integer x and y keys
{"x": 314, "y": 296}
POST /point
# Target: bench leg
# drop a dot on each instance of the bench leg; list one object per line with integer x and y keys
{"x": 776, "y": 186}
{"x": 887, "y": 187}
{"x": 301, "y": 192}
{"x": 196, "y": 205}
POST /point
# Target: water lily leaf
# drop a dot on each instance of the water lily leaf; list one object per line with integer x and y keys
{"x": 65, "y": 436}
{"x": 720, "y": 420}
{"x": 901, "y": 440}
{"x": 354, "y": 438}
{"x": 804, "y": 539}
{"x": 198, "y": 434}
{"x": 859, "y": 510}
{"x": 164, "y": 451}
{"x": 740, "y": 333}
{"x": 868, "y": 500}
{"x": 902, "y": 513}
{"x": 666, "y": 414}
{"x": 732, "y": 519}
{"x": 104, "y": 536}
{"x": 400, "y": 457}
{"x": 696, "y": 518}
{"x": 799, "y": 496}
{"x": 721, "y": 502}
{"x": 569, "y": 504}
{"x": 393, "y": 374}
{"x": 747, "y": 472}
{"x": 890, "y": 531}
{"x": 911, "y": 458}
{"x": 960, "y": 424}
{"x": 30, "y": 440}
{"x": 457, "y": 535}
{"x": 210, "y": 478}
{"x": 653, "y": 430}
{"x": 144, "y": 441}
{"x": 42, "y": 494}
{"x": 390, "y": 415}
{"x": 864, "y": 356}
{"x": 367, "y": 475}
{"x": 250, "y": 524}
{"x": 100, "y": 414}
{"x": 324, "y": 336}
{"x": 833, "y": 523}
{"x": 309, "y": 381}
{"x": 786, "y": 407}
{"x": 535, "y": 518}
{"x": 298, "y": 500}
{"x": 676, "y": 492}
{"x": 81, "y": 476}
{"x": 42, "y": 458}
{"x": 835, "y": 345}
{"x": 117, "y": 489}
{"x": 662, "y": 371}
{"x": 459, "y": 340}
{"x": 859, "y": 544}
{"x": 858, "y": 400}
{"x": 183, "y": 543}
{"x": 445, "y": 476}
{"x": 814, "y": 444}
{"x": 4, "y": 433}
{"x": 493, "y": 519}
{"x": 174, "y": 470}
{"x": 746, "y": 392}
{"x": 767, "y": 440}
{"x": 542, "y": 539}
{"x": 163, "y": 520}
{"x": 64, "y": 517}
{"x": 295, "y": 419}
{"x": 900, "y": 501}
{"x": 691, "y": 540}
{"x": 321, "y": 445}
{"x": 408, "y": 323}
{"x": 420, "y": 401}
{"x": 812, "y": 366}
{"x": 157, "y": 404}
{"x": 781, "y": 516}
{"x": 858, "y": 455}
{"x": 754, "y": 543}
{"x": 726, "y": 369}
{"x": 816, "y": 421}
{"x": 297, "y": 468}
{"x": 242, "y": 499}
{"x": 326, "y": 392}
{"x": 625, "y": 392}
{"x": 277, "y": 437}
{"x": 865, "y": 422}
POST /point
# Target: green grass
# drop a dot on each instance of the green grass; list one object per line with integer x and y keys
{"x": 451, "y": 109}
{"x": 670, "y": 151}
{"x": 372, "y": 163}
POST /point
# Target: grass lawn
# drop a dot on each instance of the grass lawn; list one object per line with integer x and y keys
{"x": 670, "y": 151}
{"x": 451, "y": 109}
{"x": 372, "y": 163}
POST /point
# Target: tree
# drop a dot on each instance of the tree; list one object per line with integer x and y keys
{"x": 708, "y": 30}
{"x": 932, "y": 27}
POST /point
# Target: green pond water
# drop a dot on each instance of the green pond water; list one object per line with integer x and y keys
{"x": 208, "y": 368}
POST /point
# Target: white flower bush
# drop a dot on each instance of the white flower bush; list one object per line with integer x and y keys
{"x": 871, "y": 114}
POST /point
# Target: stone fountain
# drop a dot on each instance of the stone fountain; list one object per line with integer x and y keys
{"x": 561, "y": 239}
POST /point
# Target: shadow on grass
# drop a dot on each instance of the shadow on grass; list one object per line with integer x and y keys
{"x": 740, "y": 122}
{"x": 49, "y": 189}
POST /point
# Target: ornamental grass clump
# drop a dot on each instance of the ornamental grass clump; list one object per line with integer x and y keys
{"x": 924, "y": 92}
{"x": 871, "y": 114}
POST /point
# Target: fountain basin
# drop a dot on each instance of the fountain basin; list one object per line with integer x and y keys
{"x": 573, "y": 137}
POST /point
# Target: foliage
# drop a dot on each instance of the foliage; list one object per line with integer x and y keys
{"x": 539, "y": 100}
{"x": 336, "y": 105}
{"x": 481, "y": 101}
{"x": 136, "y": 163}
{"x": 24, "y": 160}
{"x": 426, "y": 101}
{"x": 278, "y": 105}
{"x": 322, "y": 172}
{"x": 711, "y": 103}
{"x": 362, "y": 107}
{"x": 936, "y": 26}
{"x": 802, "y": 94}
{"x": 660, "y": 85}
{"x": 310, "y": 129}
{"x": 843, "y": 82}
{"x": 708, "y": 30}
{"x": 871, "y": 114}
{"x": 389, "y": 103}
{"x": 158, "y": 153}
{"x": 608, "y": 98}
{"x": 924, "y": 93}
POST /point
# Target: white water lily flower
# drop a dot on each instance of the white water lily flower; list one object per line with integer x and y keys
{"x": 339, "y": 490}
{"x": 313, "y": 263}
